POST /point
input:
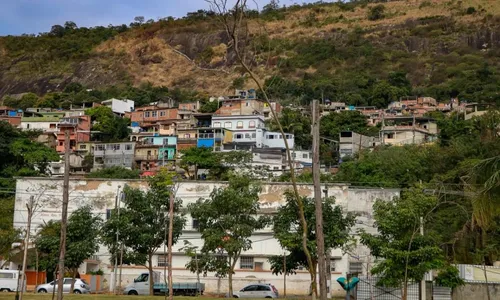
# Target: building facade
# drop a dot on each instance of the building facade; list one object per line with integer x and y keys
{"x": 351, "y": 143}
{"x": 108, "y": 155}
{"x": 79, "y": 130}
{"x": 120, "y": 107}
{"x": 101, "y": 195}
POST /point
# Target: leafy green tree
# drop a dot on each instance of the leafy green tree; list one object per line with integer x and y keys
{"x": 287, "y": 229}
{"x": 407, "y": 255}
{"x": 82, "y": 238}
{"x": 143, "y": 222}
{"x": 81, "y": 241}
{"x": 227, "y": 220}
{"x": 33, "y": 154}
{"x": 209, "y": 107}
{"x": 115, "y": 172}
{"x": 8, "y": 235}
{"x": 376, "y": 12}
{"x": 110, "y": 127}
{"x": 198, "y": 157}
{"x": 295, "y": 122}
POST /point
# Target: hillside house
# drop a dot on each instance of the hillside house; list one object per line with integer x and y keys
{"x": 402, "y": 130}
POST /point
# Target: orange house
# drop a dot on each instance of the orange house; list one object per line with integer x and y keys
{"x": 79, "y": 131}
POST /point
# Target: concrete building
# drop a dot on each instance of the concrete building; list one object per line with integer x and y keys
{"x": 119, "y": 107}
{"x": 45, "y": 124}
{"x": 11, "y": 115}
{"x": 403, "y": 130}
{"x": 79, "y": 128}
{"x": 351, "y": 143}
{"x": 253, "y": 266}
{"x": 113, "y": 154}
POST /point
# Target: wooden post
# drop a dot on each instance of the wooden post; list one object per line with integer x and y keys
{"x": 64, "y": 217}
{"x": 29, "y": 207}
{"x": 320, "y": 238}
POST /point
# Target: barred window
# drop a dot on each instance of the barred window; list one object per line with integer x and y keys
{"x": 162, "y": 261}
{"x": 332, "y": 265}
{"x": 246, "y": 262}
{"x": 356, "y": 267}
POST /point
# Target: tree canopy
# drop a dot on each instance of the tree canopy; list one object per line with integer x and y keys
{"x": 109, "y": 127}
{"x": 226, "y": 222}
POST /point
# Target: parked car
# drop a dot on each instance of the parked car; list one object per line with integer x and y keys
{"x": 81, "y": 287}
{"x": 259, "y": 290}
{"x": 9, "y": 280}
{"x": 140, "y": 286}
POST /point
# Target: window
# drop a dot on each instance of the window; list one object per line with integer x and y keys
{"x": 100, "y": 147}
{"x": 228, "y": 124}
{"x": 238, "y": 136}
{"x": 263, "y": 288}
{"x": 108, "y": 214}
{"x": 154, "y": 114}
{"x": 276, "y": 168}
{"x": 253, "y": 135}
{"x": 270, "y": 137}
{"x": 356, "y": 267}
{"x": 187, "y": 135}
{"x": 61, "y": 143}
{"x": 128, "y": 147}
{"x": 217, "y": 124}
{"x": 162, "y": 113}
{"x": 68, "y": 280}
{"x": 332, "y": 265}
{"x": 280, "y": 136}
{"x": 83, "y": 147}
{"x": 390, "y": 135}
{"x": 116, "y": 147}
{"x": 247, "y": 135}
{"x": 251, "y": 124}
{"x": 288, "y": 136}
{"x": 162, "y": 261}
{"x": 6, "y": 275}
{"x": 247, "y": 103}
{"x": 28, "y": 126}
{"x": 305, "y": 155}
{"x": 294, "y": 155}
{"x": 251, "y": 288}
{"x": 246, "y": 262}
{"x": 146, "y": 114}
{"x": 142, "y": 278}
{"x": 239, "y": 124}
{"x": 196, "y": 224}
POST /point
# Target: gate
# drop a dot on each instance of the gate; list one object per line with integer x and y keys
{"x": 367, "y": 289}
{"x": 441, "y": 293}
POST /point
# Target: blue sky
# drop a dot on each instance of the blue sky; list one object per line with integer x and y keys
{"x": 34, "y": 16}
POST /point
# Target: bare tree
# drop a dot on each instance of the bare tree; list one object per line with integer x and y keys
{"x": 234, "y": 22}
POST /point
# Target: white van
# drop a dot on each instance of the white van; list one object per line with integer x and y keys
{"x": 9, "y": 280}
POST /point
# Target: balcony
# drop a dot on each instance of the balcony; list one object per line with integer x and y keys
{"x": 146, "y": 158}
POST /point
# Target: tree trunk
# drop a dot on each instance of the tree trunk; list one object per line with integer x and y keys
{"x": 230, "y": 284}
{"x": 404, "y": 296}
{"x": 73, "y": 276}
{"x": 313, "y": 280}
{"x": 151, "y": 277}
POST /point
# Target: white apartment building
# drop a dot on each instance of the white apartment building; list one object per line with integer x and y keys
{"x": 119, "y": 106}
{"x": 46, "y": 124}
{"x": 253, "y": 266}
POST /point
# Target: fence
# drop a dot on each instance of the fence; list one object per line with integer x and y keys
{"x": 368, "y": 289}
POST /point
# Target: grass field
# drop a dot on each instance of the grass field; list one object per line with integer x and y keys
{"x": 31, "y": 296}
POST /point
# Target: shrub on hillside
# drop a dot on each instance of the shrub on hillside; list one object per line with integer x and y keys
{"x": 376, "y": 12}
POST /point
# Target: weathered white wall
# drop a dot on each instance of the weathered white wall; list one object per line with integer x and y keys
{"x": 101, "y": 195}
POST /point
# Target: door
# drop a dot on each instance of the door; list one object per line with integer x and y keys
{"x": 142, "y": 284}
{"x": 249, "y": 291}
{"x": 67, "y": 285}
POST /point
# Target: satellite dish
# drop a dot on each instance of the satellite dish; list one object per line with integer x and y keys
{"x": 212, "y": 99}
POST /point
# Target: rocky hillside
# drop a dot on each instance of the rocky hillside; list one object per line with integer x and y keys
{"x": 364, "y": 54}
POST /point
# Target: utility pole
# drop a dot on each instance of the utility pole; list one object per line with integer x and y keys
{"x": 422, "y": 282}
{"x": 30, "y": 206}
{"x": 170, "y": 233}
{"x": 115, "y": 267}
{"x": 320, "y": 238}
{"x": 413, "y": 129}
{"x": 121, "y": 249}
{"x": 64, "y": 218}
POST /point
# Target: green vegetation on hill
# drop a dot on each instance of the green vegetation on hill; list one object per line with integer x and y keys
{"x": 358, "y": 52}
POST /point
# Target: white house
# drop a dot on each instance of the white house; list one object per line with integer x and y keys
{"x": 119, "y": 106}
{"x": 46, "y": 124}
{"x": 253, "y": 266}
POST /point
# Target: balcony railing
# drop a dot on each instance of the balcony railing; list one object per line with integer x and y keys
{"x": 146, "y": 157}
